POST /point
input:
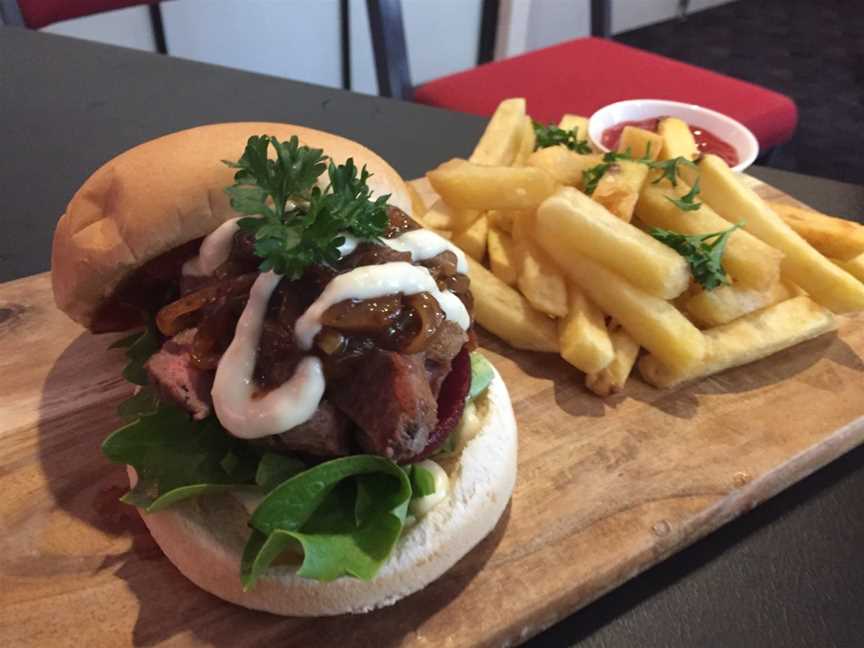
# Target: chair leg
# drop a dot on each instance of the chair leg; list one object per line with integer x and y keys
{"x": 158, "y": 28}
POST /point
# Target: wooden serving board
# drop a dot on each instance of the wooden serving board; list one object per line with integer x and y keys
{"x": 605, "y": 490}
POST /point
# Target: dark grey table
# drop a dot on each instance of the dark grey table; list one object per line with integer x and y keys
{"x": 790, "y": 573}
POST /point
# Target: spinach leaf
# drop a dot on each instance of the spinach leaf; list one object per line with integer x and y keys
{"x": 346, "y": 515}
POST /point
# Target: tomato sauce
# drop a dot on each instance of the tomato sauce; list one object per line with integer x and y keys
{"x": 706, "y": 141}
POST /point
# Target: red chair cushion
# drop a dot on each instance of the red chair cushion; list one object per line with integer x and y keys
{"x": 41, "y": 13}
{"x": 583, "y": 75}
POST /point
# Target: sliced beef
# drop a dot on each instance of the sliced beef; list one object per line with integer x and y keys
{"x": 178, "y": 379}
{"x": 390, "y": 401}
{"x": 326, "y": 434}
{"x": 443, "y": 347}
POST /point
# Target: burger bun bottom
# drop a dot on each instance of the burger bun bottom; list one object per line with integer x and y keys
{"x": 204, "y": 537}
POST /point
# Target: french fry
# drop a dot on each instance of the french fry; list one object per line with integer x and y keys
{"x": 579, "y": 124}
{"x": 473, "y": 240}
{"x": 504, "y": 312}
{"x": 709, "y": 308}
{"x": 418, "y": 206}
{"x": 465, "y": 185}
{"x": 837, "y": 238}
{"x": 654, "y": 323}
{"x": 582, "y": 334}
{"x": 678, "y": 141}
{"x": 540, "y": 281}
{"x": 440, "y": 216}
{"x": 571, "y": 222}
{"x": 502, "y": 256}
{"x": 825, "y": 282}
{"x": 527, "y": 141}
{"x": 748, "y": 260}
{"x": 564, "y": 165}
{"x": 611, "y": 380}
{"x": 618, "y": 189}
{"x": 499, "y": 143}
{"x": 746, "y": 340}
{"x": 502, "y": 218}
{"x": 855, "y": 266}
{"x": 640, "y": 142}
{"x": 537, "y": 278}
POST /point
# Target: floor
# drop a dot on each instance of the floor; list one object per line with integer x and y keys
{"x": 810, "y": 51}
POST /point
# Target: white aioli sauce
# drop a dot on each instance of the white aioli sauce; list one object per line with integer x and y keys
{"x": 285, "y": 407}
{"x": 368, "y": 282}
{"x": 214, "y": 251}
{"x": 421, "y": 506}
{"x": 424, "y": 244}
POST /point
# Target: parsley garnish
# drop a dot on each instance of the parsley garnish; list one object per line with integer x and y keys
{"x": 669, "y": 169}
{"x": 687, "y": 201}
{"x": 551, "y": 135}
{"x": 591, "y": 177}
{"x": 702, "y": 253}
{"x": 297, "y": 223}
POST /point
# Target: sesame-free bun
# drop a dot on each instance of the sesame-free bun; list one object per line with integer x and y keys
{"x": 164, "y": 193}
{"x": 204, "y": 538}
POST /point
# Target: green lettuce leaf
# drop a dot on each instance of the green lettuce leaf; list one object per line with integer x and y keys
{"x": 481, "y": 375}
{"x": 275, "y": 469}
{"x": 176, "y": 457}
{"x": 346, "y": 515}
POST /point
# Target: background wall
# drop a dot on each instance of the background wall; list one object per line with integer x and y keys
{"x": 299, "y": 39}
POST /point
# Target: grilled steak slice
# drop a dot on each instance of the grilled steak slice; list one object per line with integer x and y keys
{"x": 443, "y": 347}
{"x": 390, "y": 400}
{"x": 177, "y": 379}
{"x": 326, "y": 434}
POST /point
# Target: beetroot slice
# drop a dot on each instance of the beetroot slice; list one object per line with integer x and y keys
{"x": 451, "y": 402}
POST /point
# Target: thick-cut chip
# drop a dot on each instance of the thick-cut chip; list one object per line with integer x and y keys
{"x": 640, "y": 143}
{"x": 802, "y": 264}
{"x": 855, "y": 266}
{"x": 540, "y": 281}
{"x": 834, "y": 237}
{"x": 441, "y": 216}
{"x": 618, "y": 189}
{"x": 473, "y": 239}
{"x": 537, "y": 277}
{"x": 678, "y": 141}
{"x": 611, "y": 380}
{"x": 501, "y": 310}
{"x": 499, "y": 143}
{"x": 471, "y": 186}
{"x": 564, "y": 165}
{"x": 502, "y": 256}
{"x": 527, "y": 142}
{"x": 654, "y": 323}
{"x": 748, "y": 260}
{"x": 502, "y": 218}
{"x": 582, "y": 334}
{"x": 579, "y": 125}
{"x": 572, "y": 222}
{"x": 746, "y": 340}
{"x": 709, "y": 308}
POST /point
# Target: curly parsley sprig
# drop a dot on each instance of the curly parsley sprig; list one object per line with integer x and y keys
{"x": 703, "y": 252}
{"x": 551, "y": 135}
{"x": 297, "y": 224}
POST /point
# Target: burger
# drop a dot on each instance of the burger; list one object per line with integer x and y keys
{"x": 312, "y": 431}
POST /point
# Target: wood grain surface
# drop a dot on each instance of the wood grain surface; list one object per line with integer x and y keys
{"x": 605, "y": 490}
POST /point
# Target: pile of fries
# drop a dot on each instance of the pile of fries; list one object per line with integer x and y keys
{"x": 592, "y": 277}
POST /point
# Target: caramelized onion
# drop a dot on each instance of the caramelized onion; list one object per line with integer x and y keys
{"x": 215, "y": 331}
{"x": 177, "y": 315}
{"x": 330, "y": 341}
{"x": 429, "y": 317}
{"x": 363, "y": 316}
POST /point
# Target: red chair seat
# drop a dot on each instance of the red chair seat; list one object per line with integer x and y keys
{"x": 583, "y": 75}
